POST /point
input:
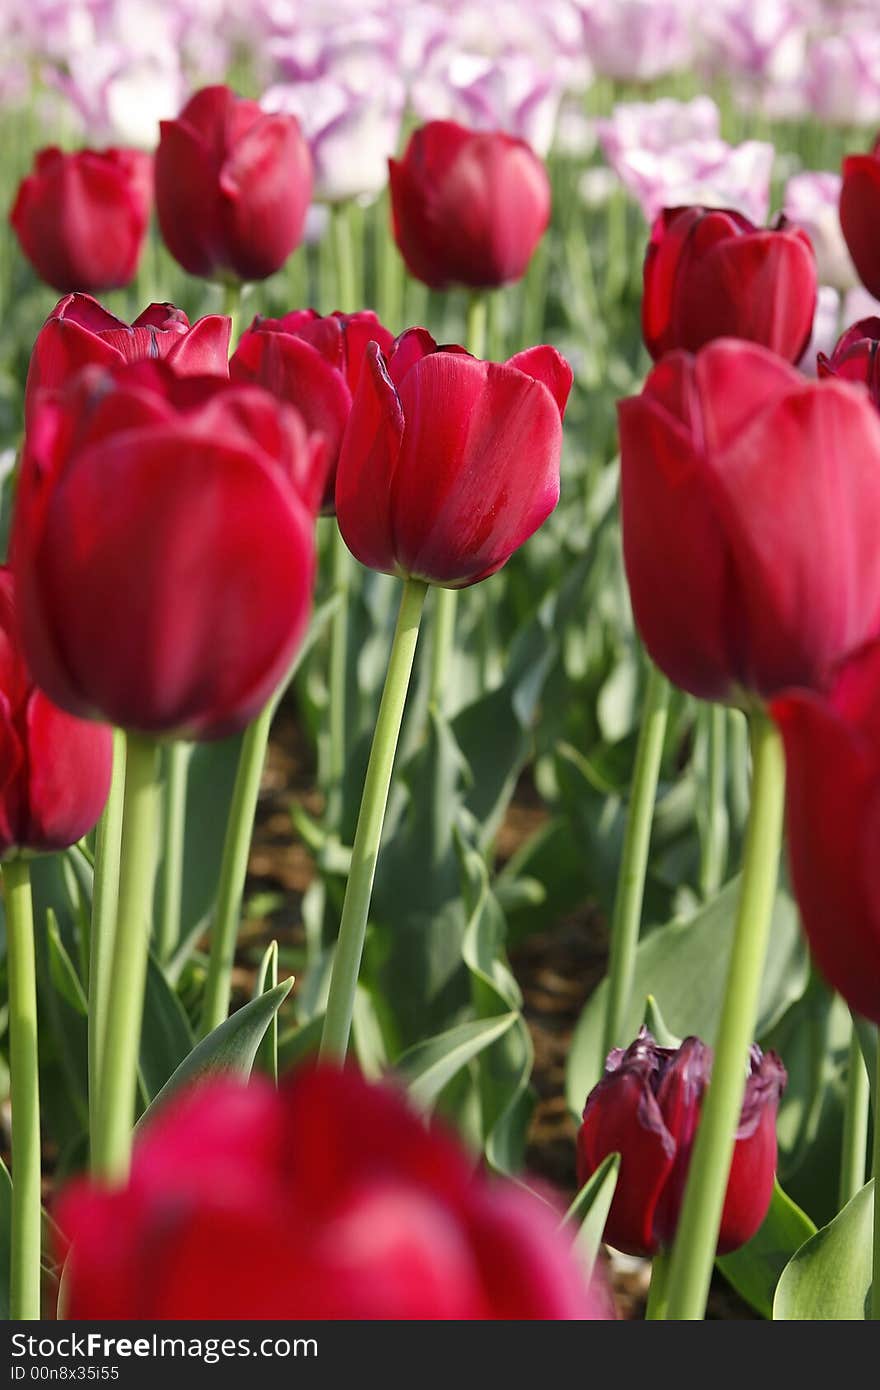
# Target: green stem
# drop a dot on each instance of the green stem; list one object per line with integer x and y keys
{"x": 111, "y": 1150}
{"x": 356, "y": 907}
{"x": 875, "y": 1168}
{"x": 739, "y": 767}
{"x": 477, "y": 315}
{"x": 390, "y": 271}
{"x": 344, "y": 256}
{"x": 338, "y": 680}
{"x": 855, "y": 1125}
{"x": 173, "y": 830}
{"x": 105, "y": 900}
{"x": 694, "y": 1250}
{"x": 24, "y": 1297}
{"x": 658, "y": 1294}
{"x": 630, "y": 893}
{"x": 232, "y": 293}
{"x": 713, "y": 860}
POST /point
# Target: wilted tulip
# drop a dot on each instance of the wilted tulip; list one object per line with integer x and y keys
{"x": 832, "y": 757}
{"x": 81, "y": 218}
{"x": 750, "y": 511}
{"x": 312, "y": 363}
{"x": 856, "y": 357}
{"x": 56, "y": 769}
{"x": 233, "y": 185}
{"x": 449, "y": 464}
{"x": 646, "y": 1108}
{"x": 163, "y": 547}
{"x": 397, "y": 1226}
{"x": 468, "y": 207}
{"x": 712, "y": 274}
{"x": 80, "y": 332}
{"x": 860, "y": 215}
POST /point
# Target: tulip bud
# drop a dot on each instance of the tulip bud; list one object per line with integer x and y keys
{"x": 832, "y": 757}
{"x": 233, "y": 186}
{"x": 397, "y": 1226}
{"x": 56, "y": 769}
{"x": 713, "y": 274}
{"x": 81, "y": 218}
{"x": 468, "y": 207}
{"x": 856, "y": 357}
{"x": 449, "y": 464}
{"x": 163, "y": 547}
{"x": 750, "y": 509}
{"x": 860, "y": 215}
{"x": 646, "y": 1108}
{"x": 314, "y": 364}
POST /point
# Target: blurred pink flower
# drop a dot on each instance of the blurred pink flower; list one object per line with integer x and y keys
{"x": 657, "y": 125}
{"x": 825, "y": 329}
{"x": 842, "y": 79}
{"x": 811, "y": 201}
{"x": 509, "y": 94}
{"x": 763, "y": 40}
{"x": 637, "y": 40}
{"x": 709, "y": 173}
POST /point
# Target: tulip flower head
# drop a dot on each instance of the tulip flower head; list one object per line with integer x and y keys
{"x": 448, "y": 463}
{"x": 856, "y": 357}
{"x": 646, "y": 1108}
{"x": 860, "y": 215}
{"x": 397, "y": 1226}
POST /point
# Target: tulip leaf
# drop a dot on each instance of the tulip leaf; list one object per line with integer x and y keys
{"x": 166, "y": 1035}
{"x": 267, "y": 978}
{"x": 5, "y": 1239}
{"x": 755, "y": 1269}
{"x": 829, "y": 1278}
{"x": 62, "y": 971}
{"x": 298, "y": 1044}
{"x": 589, "y": 1211}
{"x": 430, "y": 1065}
{"x": 867, "y": 1035}
{"x": 656, "y": 1026}
{"x": 231, "y": 1047}
{"x": 684, "y": 966}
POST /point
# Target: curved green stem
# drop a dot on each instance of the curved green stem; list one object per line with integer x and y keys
{"x": 358, "y": 891}
{"x": 855, "y": 1125}
{"x": 738, "y": 737}
{"x": 875, "y": 1168}
{"x": 694, "y": 1250}
{"x": 713, "y": 859}
{"x": 344, "y": 255}
{"x": 338, "y": 680}
{"x": 24, "y": 1296}
{"x": 105, "y": 901}
{"x": 630, "y": 893}
{"x": 477, "y": 319}
{"x": 173, "y": 830}
{"x": 232, "y": 294}
{"x": 658, "y": 1293}
{"x": 111, "y": 1148}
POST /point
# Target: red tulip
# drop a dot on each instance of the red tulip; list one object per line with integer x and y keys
{"x": 750, "y": 510}
{"x": 646, "y": 1108}
{"x": 448, "y": 463}
{"x": 81, "y": 218}
{"x": 79, "y": 332}
{"x": 832, "y": 755}
{"x": 233, "y": 186}
{"x": 468, "y": 207}
{"x": 329, "y": 1199}
{"x": 860, "y": 215}
{"x": 54, "y": 770}
{"x": 313, "y": 363}
{"x": 163, "y": 546}
{"x": 713, "y": 274}
{"x": 856, "y": 357}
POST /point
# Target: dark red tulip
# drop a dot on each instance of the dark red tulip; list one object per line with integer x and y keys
{"x": 856, "y": 357}
{"x": 233, "y": 185}
{"x": 312, "y": 363}
{"x": 713, "y": 274}
{"x": 449, "y": 464}
{"x": 80, "y": 332}
{"x": 468, "y": 207}
{"x": 244, "y": 1202}
{"x": 54, "y": 769}
{"x": 860, "y": 215}
{"x": 832, "y": 756}
{"x": 163, "y": 547}
{"x": 646, "y": 1108}
{"x": 81, "y": 218}
{"x": 750, "y": 512}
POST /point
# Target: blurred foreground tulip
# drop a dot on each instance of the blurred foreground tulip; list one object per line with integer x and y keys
{"x": 81, "y": 218}
{"x": 646, "y": 1108}
{"x": 468, "y": 207}
{"x": 860, "y": 215}
{"x": 449, "y": 464}
{"x": 832, "y": 755}
{"x": 751, "y": 509}
{"x": 163, "y": 546}
{"x": 233, "y": 185}
{"x": 244, "y": 1202}
{"x": 55, "y": 769}
{"x": 713, "y": 274}
{"x": 856, "y": 357}
{"x": 312, "y": 363}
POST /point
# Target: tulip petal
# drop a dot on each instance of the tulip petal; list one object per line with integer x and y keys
{"x": 549, "y": 366}
{"x": 367, "y": 463}
{"x": 69, "y": 766}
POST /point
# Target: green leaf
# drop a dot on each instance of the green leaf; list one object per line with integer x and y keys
{"x": 589, "y": 1211}
{"x": 62, "y": 971}
{"x": 754, "y": 1270}
{"x": 867, "y": 1035}
{"x": 296, "y": 1045}
{"x": 231, "y": 1047}
{"x": 428, "y": 1066}
{"x": 656, "y": 1025}
{"x": 267, "y": 978}
{"x": 166, "y": 1036}
{"x": 829, "y": 1279}
{"x": 5, "y": 1239}
{"x": 684, "y": 966}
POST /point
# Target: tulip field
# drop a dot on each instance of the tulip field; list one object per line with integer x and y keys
{"x": 439, "y": 661}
